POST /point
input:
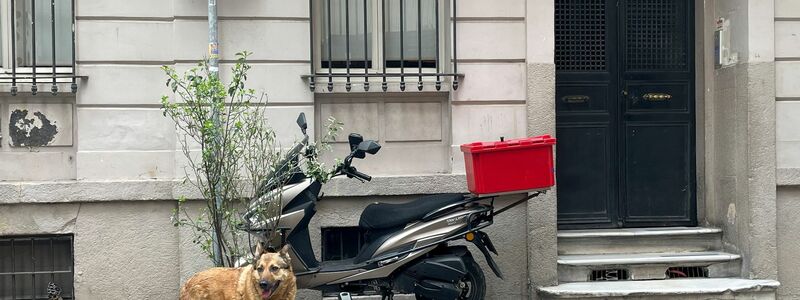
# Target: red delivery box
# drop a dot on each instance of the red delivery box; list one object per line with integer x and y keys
{"x": 510, "y": 166}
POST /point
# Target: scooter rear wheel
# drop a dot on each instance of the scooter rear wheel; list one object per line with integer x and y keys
{"x": 473, "y": 285}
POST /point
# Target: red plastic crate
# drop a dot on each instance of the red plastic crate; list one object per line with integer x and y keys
{"x": 509, "y": 166}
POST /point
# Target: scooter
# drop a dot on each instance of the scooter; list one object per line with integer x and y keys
{"x": 408, "y": 246}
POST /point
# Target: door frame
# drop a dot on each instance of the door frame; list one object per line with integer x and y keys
{"x": 696, "y": 95}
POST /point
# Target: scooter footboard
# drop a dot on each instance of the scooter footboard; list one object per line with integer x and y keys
{"x": 435, "y": 275}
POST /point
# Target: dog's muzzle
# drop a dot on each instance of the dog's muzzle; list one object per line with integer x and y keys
{"x": 267, "y": 288}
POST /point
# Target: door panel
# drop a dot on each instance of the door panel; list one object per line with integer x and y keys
{"x": 625, "y": 113}
{"x": 584, "y": 195}
{"x": 657, "y": 168}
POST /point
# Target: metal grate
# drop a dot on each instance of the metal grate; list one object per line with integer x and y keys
{"x": 580, "y": 29}
{"x": 609, "y": 275}
{"x": 41, "y": 60}
{"x": 687, "y": 272}
{"x": 656, "y": 35}
{"x": 341, "y": 242}
{"x": 36, "y": 267}
{"x": 349, "y": 48}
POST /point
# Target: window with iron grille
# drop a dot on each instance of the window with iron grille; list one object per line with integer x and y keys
{"x": 36, "y": 267}
{"x": 383, "y": 41}
{"x": 37, "y": 44}
{"x": 341, "y": 242}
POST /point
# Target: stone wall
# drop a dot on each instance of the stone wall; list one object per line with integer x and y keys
{"x": 740, "y": 133}
{"x": 787, "y": 95}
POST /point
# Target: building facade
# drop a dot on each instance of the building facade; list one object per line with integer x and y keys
{"x": 677, "y": 149}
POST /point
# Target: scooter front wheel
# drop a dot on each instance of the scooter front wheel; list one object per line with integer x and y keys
{"x": 472, "y": 285}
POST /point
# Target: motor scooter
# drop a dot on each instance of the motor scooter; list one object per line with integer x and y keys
{"x": 408, "y": 247}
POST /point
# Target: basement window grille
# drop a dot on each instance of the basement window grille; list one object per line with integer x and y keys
{"x": 341, "y": 242}
{"x": 609, "y": 275}
{"x": 37, "y": 44}
{"x": 36, "y": 267}
{"x": 382, "y": 41}
{"x": 687, "y": 272}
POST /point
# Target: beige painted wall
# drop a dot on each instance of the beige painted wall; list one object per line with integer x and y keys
{"x": 124, "y": 152}
{"x": 787, "y": 76}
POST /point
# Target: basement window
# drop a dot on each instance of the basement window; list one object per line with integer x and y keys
{"x": 687, "y": 272}
{"x": 36, "y": 267}
{"x": 341, "y": 242}
{"x": 609, "y": 275}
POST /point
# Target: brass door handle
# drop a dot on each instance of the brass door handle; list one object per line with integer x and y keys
{"x": 657, "y": 97}
{"x": 572, "y": 99}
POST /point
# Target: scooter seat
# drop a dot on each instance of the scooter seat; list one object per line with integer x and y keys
{"x": 386, "y": 215}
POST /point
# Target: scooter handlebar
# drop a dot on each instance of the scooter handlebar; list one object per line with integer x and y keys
{"x": 358, "y": 174}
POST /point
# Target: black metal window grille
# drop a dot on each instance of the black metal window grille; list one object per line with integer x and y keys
{"x": 385, "y": 39}
{"x": 341, "y": 242}
{"x": 28, "y": 266}
{"x": 655, "y": 33}
{"x": 687, "y": 272}
{"x": 40, "y": 45}
{"x": 609, "y": 275}
{"x": 580, "y": 30}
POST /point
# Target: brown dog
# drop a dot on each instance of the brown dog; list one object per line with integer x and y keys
{"x": 270, "y": 278}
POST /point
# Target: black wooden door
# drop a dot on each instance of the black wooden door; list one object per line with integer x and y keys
{"x": 625, "y": 113}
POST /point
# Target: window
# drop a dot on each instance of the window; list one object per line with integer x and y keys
{"x": 372, "y": 40}
{"x": 33, "y": 267}
{"x": 42, "y": 36}
{"x": 37, "y": 43}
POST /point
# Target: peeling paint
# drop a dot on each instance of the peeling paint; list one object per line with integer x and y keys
{"x": 732, "y": 214}
{"x": 31, "y": 132}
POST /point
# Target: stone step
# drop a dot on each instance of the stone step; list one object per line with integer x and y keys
{"x": 690, "y": 289}
{"x": 639, "y": 240}
{"x": 644, "y": 266}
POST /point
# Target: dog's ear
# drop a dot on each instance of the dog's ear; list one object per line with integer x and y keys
{"x": 259, "y": 249}
{"x": 285, "y": 252}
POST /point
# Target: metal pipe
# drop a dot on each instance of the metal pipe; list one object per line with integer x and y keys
{"x": 311, "y": 42}
{"x": 436, "y": 17}
{"x": 33, "y": 261}
{"x": 34, "y": 89}
{"x": 13, "y": 50}
{"x": 74, "y": 85}
{"x": 54, "y": 88}
{"x": 13, "y": 266}
{"x": 330, "y": 51}
{"x": 455, "y": 53}
{"x": 213, "y": 40}
{"x": 402, "y": 44}
{"x": 213, "y": 67}
{"x": 366, "y": 53}
{"x": 347, "y": 85}
{"x": 384, "y": 86}
{"x": 419, "y": 42}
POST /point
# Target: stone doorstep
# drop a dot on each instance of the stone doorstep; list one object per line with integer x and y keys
{"x": 646, "y": 258}
{"x": 636, "y": 232}
{"x": 672, "y": 287}
{"x": 639, "y": 240}
{"x": 646, "y": 266}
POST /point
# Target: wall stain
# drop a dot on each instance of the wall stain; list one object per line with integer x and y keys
{"x": 31, "y": 132}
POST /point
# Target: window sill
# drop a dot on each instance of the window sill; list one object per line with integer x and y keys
{"x": 72, "y": 191}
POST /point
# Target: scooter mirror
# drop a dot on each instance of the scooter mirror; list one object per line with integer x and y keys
{"x": 354, "y": 139}
{"x": 301, "y": 121}
{"x": 369, "y": 146}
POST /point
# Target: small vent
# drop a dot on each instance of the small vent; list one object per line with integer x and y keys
{"x": 609, "y": 275}
{"x": 687, "y": 272}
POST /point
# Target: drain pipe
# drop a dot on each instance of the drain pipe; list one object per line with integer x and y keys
{"x": 213, "y": 67}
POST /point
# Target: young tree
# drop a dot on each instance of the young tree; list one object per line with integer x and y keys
{"x": 231, "y": 153}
